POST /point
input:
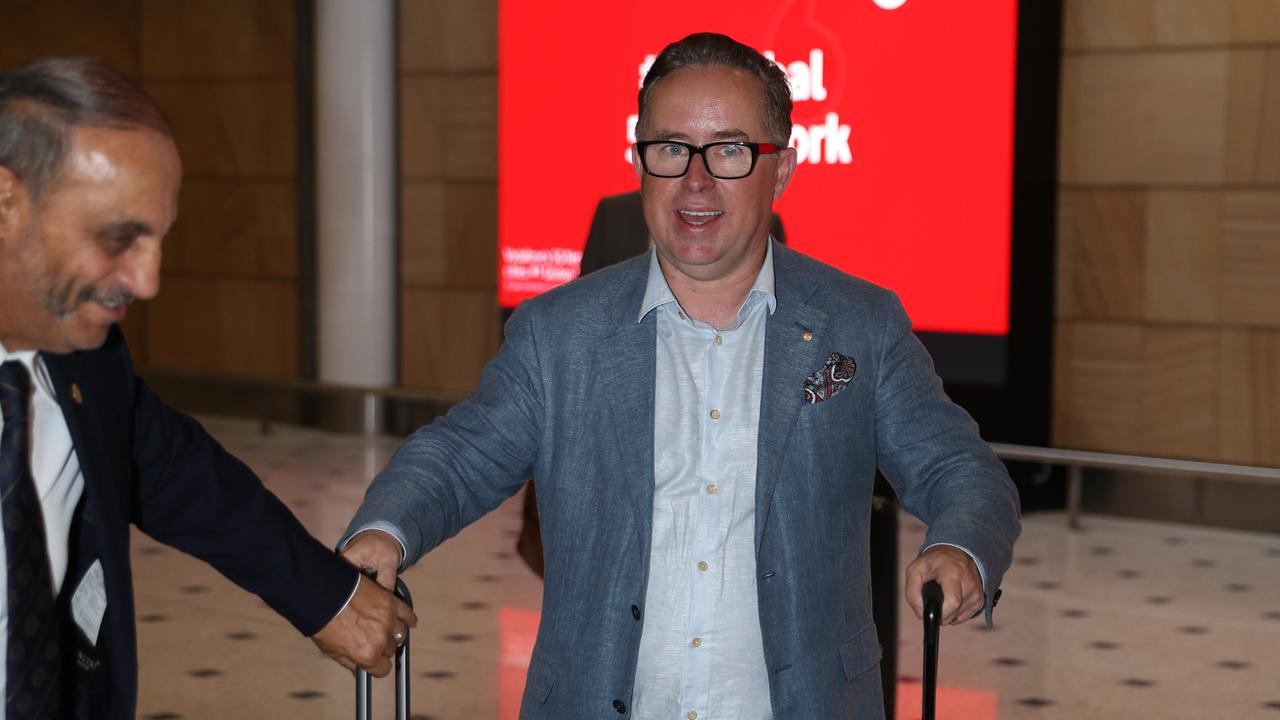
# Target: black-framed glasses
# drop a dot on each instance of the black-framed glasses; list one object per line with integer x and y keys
{"x": 729, "y": 160}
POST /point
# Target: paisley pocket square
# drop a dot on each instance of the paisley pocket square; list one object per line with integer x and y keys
{"x": 834, "y": 376}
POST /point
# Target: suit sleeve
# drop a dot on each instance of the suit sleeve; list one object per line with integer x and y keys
{"x": 191, "y": 494}
{"x": 450, "y": 473}
{"x": 930, "y": 450}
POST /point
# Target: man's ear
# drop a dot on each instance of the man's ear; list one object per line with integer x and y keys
{"x": 14, "y": 201}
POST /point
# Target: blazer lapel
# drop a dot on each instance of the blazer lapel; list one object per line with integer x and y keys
{"x": 794, "y": 337}
{"x": 628, "y": 371}
{"x": 78, "y": 397}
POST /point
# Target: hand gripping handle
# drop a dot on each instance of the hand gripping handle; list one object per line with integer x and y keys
{"x": 364, "y": 683}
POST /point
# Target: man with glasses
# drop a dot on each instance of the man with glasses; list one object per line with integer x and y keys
{"x": 703, "y": 425}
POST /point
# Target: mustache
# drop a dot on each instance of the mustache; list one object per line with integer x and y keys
{"x": 111, "y": 297}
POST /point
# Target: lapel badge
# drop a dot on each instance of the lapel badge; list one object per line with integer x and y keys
{"x": 76, "y": 395}
{"x": 808, "y": 335}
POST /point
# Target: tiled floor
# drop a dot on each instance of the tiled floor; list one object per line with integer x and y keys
{"x": 1123, "y": 620}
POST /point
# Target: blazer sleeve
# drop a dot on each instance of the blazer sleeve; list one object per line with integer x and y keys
{"x": 930, "y": 451}
{"x": 188, "y": 492}
{"x": 450, "y": 473}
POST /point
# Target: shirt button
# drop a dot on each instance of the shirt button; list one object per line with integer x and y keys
{"x": 719, "y": 341}
{"x": 620, "y": 707}
{"x": 697, "y": 642}
{"x": 702, "y": 565}
{"x": 715, "y": 414}
{"x": 692, "y": 715}
{"x": 635, "y": 611}
{"x": 711, "y": 489}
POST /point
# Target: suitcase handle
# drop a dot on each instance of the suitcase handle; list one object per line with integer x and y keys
{"x": 364, "y": 683}
{"x": 932, "y": 593}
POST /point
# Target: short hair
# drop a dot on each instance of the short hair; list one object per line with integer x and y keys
{"x": 42, "y": 103}
{"x": 702, "y": 50}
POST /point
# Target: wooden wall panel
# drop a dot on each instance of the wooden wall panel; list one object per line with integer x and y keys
{"x": 1255, "y": 21}
{"x": 1249, "y": 397}
{"x": 106, "y": 29}
{"x": 242, "y": 128}
{"x": 446, "y": 336}
{"x": 448, "y": 36}
{"x": 1101, "y": 247}
{"x": 1144, "y": 23}
{"x": 235, "y": 227}
{"x": 1170, "y": 138}
{"x": 1098, "y": 385}
{"x": 188, "y": 39}
{"x": 1119, "y": 24}
{"x": 449, "y": 317}
{"x": 225, "y": 325}
{"x": 1182, "y": 275}
{"x": 1179, "y": 408}
{"x": 448, "y": 234}
{"x": 449, "y": 127}
{"x": 1251, "y": 259}
{"x": 223, "y": 72}
{"x": 1144, "y": 118}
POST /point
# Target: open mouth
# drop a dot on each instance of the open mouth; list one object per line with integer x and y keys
{"x": 698, "y": 217}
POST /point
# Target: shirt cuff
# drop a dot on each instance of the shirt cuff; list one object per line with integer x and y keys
{"x": 350, "y": 597}
{"x": 384, "y": 526}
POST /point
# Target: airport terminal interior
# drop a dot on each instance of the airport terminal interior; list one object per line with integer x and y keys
{"x": 1123, "y": 254}
{"x": 1121, "y": 619}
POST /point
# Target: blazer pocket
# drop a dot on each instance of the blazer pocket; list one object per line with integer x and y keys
{"x": 861, "y": 652}
{"x": 540, "y": 680}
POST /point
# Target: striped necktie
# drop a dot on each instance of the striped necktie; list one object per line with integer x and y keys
{"x": 33, "y": 678}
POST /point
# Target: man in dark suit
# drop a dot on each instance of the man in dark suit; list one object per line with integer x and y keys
{"x": 89, "y": 179}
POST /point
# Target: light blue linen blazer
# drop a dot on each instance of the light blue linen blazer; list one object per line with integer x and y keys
{"x": 569, "y": 401}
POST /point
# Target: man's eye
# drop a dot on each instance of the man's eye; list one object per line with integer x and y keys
{"x": 730, "y": 151}
{"x": 118, "y": 243}
{"x": 673, "y": 150}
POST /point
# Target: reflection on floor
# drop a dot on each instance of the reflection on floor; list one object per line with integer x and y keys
{"x": 1123, "y": 620}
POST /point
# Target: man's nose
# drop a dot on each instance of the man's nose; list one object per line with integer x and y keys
{"x": 140, "y": 269}
{"x": 699, "y": 175}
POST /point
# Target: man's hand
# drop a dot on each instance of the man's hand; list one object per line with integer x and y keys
{"x": 961, "y": 585}
{"x": 374, "y": 623}
{"x": 375, "y": 553}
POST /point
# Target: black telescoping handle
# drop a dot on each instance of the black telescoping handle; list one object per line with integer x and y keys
{"x": 364, "y": 683}
{"x": 932, "y": 621}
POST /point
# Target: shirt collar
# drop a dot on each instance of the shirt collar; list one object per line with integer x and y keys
{"x": 658, "y": 293}
{"x": 35, "y": 366}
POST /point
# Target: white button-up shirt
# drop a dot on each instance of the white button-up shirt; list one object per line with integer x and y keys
{"x": 55, "y": 469}
{"x": 701, "y": 655}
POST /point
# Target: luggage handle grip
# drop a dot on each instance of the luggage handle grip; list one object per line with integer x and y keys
{"x": 364, "y": 683}
{"x": 932, "y": 595}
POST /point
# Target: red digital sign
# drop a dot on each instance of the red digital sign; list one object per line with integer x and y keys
{"x": 903, "y": 117}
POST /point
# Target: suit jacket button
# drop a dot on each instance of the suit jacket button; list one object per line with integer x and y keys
{"x": 635, "y": 611}
{"x": 620, "y": 707}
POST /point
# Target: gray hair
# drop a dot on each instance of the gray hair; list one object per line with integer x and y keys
{"x": 715, "y": 50}
{"x": 42, "y": 103}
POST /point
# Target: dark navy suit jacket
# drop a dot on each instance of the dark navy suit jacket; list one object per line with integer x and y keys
{"x": 147, "y": 464}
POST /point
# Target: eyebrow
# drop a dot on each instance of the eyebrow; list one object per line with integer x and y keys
{"x": 124, "y": 228}
{"x": 717, "y": 135}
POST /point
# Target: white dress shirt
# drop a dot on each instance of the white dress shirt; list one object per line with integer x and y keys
{"x": 701, "y": 654}
{"x": 59, "y": 483}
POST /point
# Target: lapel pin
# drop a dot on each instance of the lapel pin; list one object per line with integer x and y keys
{"x": 76, "y": 396}
{"x": 808, "y": 335}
